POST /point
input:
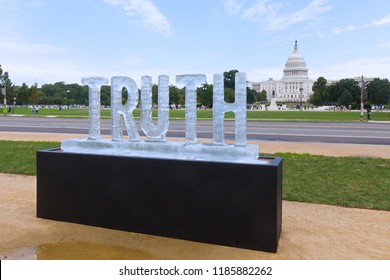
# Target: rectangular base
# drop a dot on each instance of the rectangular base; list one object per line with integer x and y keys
{"x": 231, "y": 204}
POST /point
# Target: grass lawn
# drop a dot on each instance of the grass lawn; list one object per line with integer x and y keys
{"x": 345, "y": 181}
{"x": 208, "y": 114}
{"x": 19, "y": 157}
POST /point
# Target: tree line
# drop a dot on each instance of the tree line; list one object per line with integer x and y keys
{"x": 348, "y": 92}
{"x": 60, "y": 93}
{"x": 344, "y": 92}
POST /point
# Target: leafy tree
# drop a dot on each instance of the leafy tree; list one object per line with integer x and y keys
{"x": 42, "y": 97}
{"x": 379, "y": 91}
{"x": 105, "y": 95}
{"x": 250, "y": 96}
{"x": 125, "y": 96}
{"x": 261, "y": 96}
{"x": 205, "y": 95}
{"x": 320, "y": 94}
{"x": 48, "y": 90}
{"x": 182, "y": 99}
{"x": 229, "y": 95}
{"x": 154, "y": 94}
{"x": 337, "y": 90}
{"x": 60, "y": 97}
{"x": 33, "y": 95}
{"x": 176, "y": 95}
{"x": 77, "y": 94}
{"x": 22, "y": 94}
{"x": 6, "y": 81}
{"x": 229, "y": 81}
{"x": 229, "y": 78}
{"x": 60, "y": 93}
{"x": 55, "y": 93}
{"x": 346, "y": 98}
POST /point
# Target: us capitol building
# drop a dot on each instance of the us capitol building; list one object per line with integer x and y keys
{"x": 295, "y": 86}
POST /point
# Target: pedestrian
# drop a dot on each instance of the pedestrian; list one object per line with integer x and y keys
{"x": 368, "y": 113}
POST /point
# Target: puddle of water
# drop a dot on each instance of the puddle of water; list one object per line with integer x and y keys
{"x": 77, "y": 251}
{"x": 27, "y": 253}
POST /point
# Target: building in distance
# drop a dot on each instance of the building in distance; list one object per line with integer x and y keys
{"x": 295, "y": 86}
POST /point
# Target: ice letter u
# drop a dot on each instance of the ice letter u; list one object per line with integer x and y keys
{"x": 155, "y": 132}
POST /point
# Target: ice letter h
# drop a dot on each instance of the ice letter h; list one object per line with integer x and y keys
{"x": 220, "y": 107}
{"x": 190, "y": 82}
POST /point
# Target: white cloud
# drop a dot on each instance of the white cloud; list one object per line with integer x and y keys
{"x": 232, "y": 7}
{"x": 10, "y": 46}
{"x": 339, "y": 30}
{"x": 380, "y": 22}
{"x": 262, "y": 10}
{"x": 146, "y": 13}
{"x": 271, "y": 14}
{"x": 375, "y": 23}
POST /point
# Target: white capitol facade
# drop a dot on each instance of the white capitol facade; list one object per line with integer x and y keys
{"x": 295, "y": 86}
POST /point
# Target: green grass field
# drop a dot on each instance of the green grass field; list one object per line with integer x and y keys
{"x": 345, "y": 181}
{"x": 319, "y": 116}
{"x": 19, "y": 157}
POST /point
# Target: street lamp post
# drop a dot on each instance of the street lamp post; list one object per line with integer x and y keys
{"x": 67, "y": 99}
{"x": 361, "y": 100}
{"x": 3, "y": 91}
{"x": 13, "y": 108}
{"x": 300, "y": 103}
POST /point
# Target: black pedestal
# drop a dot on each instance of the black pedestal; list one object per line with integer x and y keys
{"x": 231, "y": 204}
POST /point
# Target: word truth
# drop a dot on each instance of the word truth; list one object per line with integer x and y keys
{"x": 123, "y": 113}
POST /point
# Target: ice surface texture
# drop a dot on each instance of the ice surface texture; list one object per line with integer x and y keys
{"x": 155, "y": 132}
{"x": 220, "y": 107}
{"x": 123, "y": 112}
{"x": 94, "y": 84}
{"x": 156, "y": 144}
{"x": 168, "y": 150}
{"x": 191, "y": 82}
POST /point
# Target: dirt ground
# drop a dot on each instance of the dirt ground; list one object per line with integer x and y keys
{"x": 309, "y": 231}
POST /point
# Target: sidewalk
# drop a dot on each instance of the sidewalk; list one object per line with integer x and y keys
{"x": 265, "y": 147}
{"x": 310, "y": 231}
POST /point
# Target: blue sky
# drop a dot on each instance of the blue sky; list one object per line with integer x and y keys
{"x": 46, "y": 41}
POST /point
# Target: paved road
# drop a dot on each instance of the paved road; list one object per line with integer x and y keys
{"x": 353, "y": 133}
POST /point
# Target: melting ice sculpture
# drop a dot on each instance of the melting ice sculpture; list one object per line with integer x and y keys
{"x": 156, "y": 144}
{"x": 220, "y": 107}
{"x": 94, "y": 83}
{"x": 152, "y": 131}
{"x": 190, "y": 82}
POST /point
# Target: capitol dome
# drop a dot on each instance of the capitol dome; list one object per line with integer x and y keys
{"x": 294, "y": 87}
{"x": 295, "y": 67}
